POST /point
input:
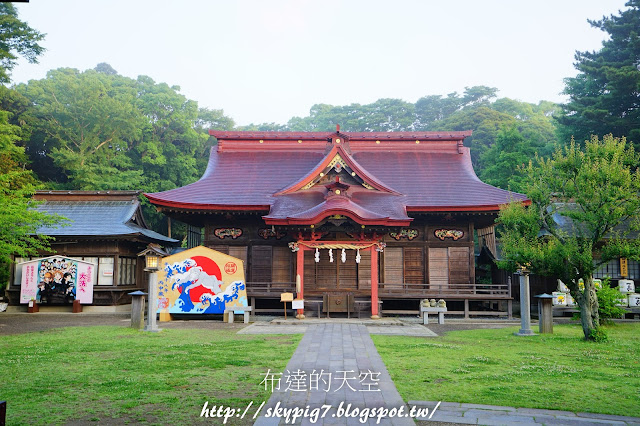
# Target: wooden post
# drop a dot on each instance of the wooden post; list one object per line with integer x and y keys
{"x": 466, "y": 308}
{"x": 374, "y": 283}
{"x": 3, "y": 412}
{"x": 300, "y": 274}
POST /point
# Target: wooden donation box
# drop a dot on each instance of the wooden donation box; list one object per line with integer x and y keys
{"x": 338, "y": 302}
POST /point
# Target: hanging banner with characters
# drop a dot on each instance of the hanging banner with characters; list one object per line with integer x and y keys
{"x": 57, "y": 280}
{"x": 201, "y": 281}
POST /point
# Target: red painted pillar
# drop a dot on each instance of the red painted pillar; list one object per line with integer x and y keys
{"x": 300, "y": 272}
{"x": 374, "y": 283}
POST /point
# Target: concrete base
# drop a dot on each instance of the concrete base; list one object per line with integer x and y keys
{"x": 300, "y": 316}
{"x": 375, "y": 317}
{"x": 230, "y": 316}
{"x": 522, "y": 332}
{"x": 425, "y": 311}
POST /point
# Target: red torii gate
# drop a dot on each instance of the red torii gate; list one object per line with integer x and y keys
{"x": 374, "y": 247}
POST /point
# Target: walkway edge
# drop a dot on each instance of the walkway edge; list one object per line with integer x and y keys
{"x": 464, "y": 413}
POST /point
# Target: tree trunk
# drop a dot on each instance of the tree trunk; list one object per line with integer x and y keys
{"x": 589, "y": 316}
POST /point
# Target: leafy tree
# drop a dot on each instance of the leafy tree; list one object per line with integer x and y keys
{"x": 21, "y": 112}
{"x": 98, "y": 130}
{"x": 584, "y": 204}
{"x": 608, "y": 299}
{"x": 212, "y": 119}
{"x": 87, "y": 125}
{"x": 504, "y": 162}
{"x": 485, "y": 124}
{"x": 430, "y": 109}
{"x": 16, "y": 38}
{"x": 605, "y": 95}
{"x": 18, "y": 222}
{"x": 105, "y": 68}
{"x": 384, "y": 115}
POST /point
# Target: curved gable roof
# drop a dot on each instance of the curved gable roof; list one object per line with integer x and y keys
{"x": 430, "y": 171}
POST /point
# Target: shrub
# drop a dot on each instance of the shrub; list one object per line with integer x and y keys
{"x": 598, "y": 335}
{"x": 608, "y": 297}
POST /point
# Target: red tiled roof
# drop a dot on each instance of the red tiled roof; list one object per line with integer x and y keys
{"x": 431, "y": 171}
{"x": 241, "y": 135}
{"x": 338, "y": 150}
{"x": 240, "y": 179}
{"x": 435, "y": 180}
{"x": 311, "y": 207}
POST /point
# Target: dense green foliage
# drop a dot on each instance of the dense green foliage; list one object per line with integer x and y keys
{"x": 18, "y": 222}
{"x": 16, "y": 38}
{"x": 608, "y": 299}
{"x": 476, "y": 109}
{"x": 504, "y": 161}
{"x": 555, "y": 371}
{"x": 605, "y": 95}
{"x": 584, "y": 203}
{"x": 100, "y": 130}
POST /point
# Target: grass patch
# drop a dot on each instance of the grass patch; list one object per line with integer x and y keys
{"x": 104, "y": 373}
{"x": 559, "y": 371}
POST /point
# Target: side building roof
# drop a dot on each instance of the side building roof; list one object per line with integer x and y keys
{"x": 105, "y": 214}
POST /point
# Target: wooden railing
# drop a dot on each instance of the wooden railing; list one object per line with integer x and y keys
{"x": 444, "y": 290}
{"x": 264, "y": 288}
{"x": 400, "y": 289}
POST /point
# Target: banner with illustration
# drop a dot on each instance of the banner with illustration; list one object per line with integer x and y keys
{"x": 201, "y": 281}
{"x": 57, "y": 280}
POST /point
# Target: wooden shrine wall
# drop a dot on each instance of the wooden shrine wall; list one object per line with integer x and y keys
{"x": 429, "y": 251}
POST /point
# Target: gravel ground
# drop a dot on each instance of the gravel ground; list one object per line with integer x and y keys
{"x": 17, "y": 323}
{"x": 26, "y": 323}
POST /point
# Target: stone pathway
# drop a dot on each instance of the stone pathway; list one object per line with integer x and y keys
{"x": 453, "y": 412}
{"x": 268, "y": 328}
{"x": 393, "y": 329}
{"x": 345, "y": 351}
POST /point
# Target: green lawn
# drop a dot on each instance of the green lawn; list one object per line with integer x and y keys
{"x": 102, "y": 373}
{"x": 559, "y": 371}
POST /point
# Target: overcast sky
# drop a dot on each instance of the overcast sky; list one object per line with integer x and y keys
{"x": 269, "y": 60}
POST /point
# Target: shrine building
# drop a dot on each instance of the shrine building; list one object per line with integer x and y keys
{"x": 361, "y": 218}
{"x": 104, "y": 228}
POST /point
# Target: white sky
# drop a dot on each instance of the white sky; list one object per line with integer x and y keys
{"x": 270, "y": 60}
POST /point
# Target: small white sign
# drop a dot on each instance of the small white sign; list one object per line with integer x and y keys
{"x": 297, "y": 304}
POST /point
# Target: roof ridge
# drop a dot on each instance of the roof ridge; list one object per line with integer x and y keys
{"x": 338, "y": 150}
